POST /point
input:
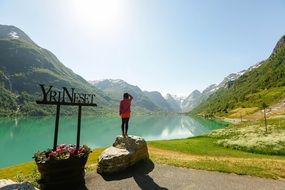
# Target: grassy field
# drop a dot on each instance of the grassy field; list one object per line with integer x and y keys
{"x": 251, "y": 136}
{"x": 204, "y": 153}
{"x": 222, "y": 150}
{"x": 244, "y": 148}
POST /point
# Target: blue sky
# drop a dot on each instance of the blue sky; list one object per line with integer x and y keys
{"x": 172, "y": 46}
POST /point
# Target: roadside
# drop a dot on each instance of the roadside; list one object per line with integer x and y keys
{"x": 163, "y": 177}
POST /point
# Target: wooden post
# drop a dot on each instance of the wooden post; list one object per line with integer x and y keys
{"x": 265, "y": 120}
{"x": 56, "y": 127}
{"x": 78, "y": 127}
{"x": 51, "y": 97}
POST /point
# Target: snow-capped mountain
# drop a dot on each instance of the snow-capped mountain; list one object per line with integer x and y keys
{"x": 154, "y": 101}
{"x": 174, "y": 102}
{"x": 233, "y": 76}
{"x": 191, "y": 101}
{"x": 195, "y": 98}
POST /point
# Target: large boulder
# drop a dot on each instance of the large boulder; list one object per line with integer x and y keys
{"x": 6, "y": 184}
{"x": 124, "y": 153}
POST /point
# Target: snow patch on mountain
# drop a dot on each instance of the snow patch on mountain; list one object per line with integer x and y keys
{"x": 194, "y": 99}
{"x": 234, "y": 76}
{"x": 13, "y": 35}
{"x": 174, "y": 102}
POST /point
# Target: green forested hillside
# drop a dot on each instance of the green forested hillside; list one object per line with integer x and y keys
{"x": 263, "y": 84}
{"x": 24, "y": 65}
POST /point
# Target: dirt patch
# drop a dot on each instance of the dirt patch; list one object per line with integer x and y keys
{"x": 184, "y": 156}
{"x": 273, "y": 111}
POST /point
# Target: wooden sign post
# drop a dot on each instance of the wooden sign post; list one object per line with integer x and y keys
{"x": 68, "y": 98}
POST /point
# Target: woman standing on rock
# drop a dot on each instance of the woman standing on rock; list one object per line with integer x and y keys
{"x": 125, "y": 113}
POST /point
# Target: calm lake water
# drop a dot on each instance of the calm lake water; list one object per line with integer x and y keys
{"x": 20, "y": 138}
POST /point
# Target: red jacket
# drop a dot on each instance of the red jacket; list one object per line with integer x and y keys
{"x": 125, "y": 107}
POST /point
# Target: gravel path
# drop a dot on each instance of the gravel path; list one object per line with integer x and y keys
{"x": 148, "y": 176}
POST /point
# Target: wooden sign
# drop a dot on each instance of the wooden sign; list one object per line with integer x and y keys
{"x": 65, "y": 97}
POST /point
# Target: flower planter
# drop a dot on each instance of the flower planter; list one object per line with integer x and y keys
{"x": 62, "y": 169}
{"x": 62, "y": 174}
{"x": 63, "y": 166}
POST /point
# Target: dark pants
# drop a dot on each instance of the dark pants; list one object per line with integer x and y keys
{"x": 125, "y": 125}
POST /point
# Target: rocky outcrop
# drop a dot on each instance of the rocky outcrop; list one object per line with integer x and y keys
{"x": 124, "y": 153}
{"x": 280, "y": 43}
{"x": 11, "y": 185}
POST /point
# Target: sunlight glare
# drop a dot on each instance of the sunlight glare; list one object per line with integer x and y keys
{"x": 101, "y": 17}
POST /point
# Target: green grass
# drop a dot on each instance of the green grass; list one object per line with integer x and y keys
{"x": 205, "y": 152}
{"x": 245, "y": 168}
{"x": 208, "y": 155}
{"x": 251, "y": 136}
{"x": 203, "y": 146}
{"x": 23, "y": 172}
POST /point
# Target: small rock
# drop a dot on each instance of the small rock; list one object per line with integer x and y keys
{"x": 124, "y": 153}
{"x": 7, "y": 184}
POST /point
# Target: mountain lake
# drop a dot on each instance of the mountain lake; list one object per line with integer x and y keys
{"x": 20, "y": 138}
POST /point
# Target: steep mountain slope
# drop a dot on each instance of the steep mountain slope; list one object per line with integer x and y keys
{"x": 173, "y": 102}
{"x": 228, "y": 80}
{"x": 116, "y": 88}
{"x": 24, "y": 65}
{"x": 264, "y": 82}
{"x": 158, "y": 99}
{"x": 192, "y": 101}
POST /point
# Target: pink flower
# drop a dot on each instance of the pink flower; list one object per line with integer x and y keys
{"x": 62, "y": 152}
{"x": 62, "y": 146}
{"x": 53, "y": 154}
{"x": 71, "y": 150}
{"x": 58, "y": 150}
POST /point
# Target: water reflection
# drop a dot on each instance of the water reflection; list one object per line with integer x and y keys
{"x": 20, "y": 138}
